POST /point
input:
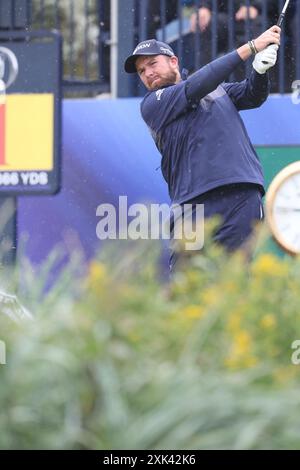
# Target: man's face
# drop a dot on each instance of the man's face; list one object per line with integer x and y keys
{"x": 157, "y": 71}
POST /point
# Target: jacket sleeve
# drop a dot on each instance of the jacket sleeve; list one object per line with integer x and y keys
{"x": 159, "y": 108}
{"x": 250, "y": 93}
{"x": 209, "y": 77}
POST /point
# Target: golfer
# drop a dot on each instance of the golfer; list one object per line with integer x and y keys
{"x": 207, "y": 156}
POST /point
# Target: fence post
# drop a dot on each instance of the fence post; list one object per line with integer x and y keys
{"x": 123, "y": 40}
{"x": 15, "y": 14}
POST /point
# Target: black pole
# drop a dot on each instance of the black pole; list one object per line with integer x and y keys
{"x": 8, "y": 230}
{"x": 14, "y": 15}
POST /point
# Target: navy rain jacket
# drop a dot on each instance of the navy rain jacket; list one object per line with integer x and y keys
{"x": 198, "y": 130}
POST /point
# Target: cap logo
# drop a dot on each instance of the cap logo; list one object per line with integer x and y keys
{"x": 166, "y": 51}
{"x": 142, "y": 46}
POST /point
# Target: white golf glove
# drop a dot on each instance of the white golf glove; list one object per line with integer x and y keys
{"x": 265, "y": 59}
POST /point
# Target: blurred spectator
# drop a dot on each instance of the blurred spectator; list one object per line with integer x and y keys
{"x": 246, "y": 21}
{"x": 155, "y": 17}
{"x": 171, "y": 13}
{"x": 243, "y": 17}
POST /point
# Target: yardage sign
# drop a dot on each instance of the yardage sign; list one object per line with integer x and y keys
{"x": 30, "y": 112}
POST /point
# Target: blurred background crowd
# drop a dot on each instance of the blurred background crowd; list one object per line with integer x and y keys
{"x": 99, "y": 34}
{"x": 222, "y": 25}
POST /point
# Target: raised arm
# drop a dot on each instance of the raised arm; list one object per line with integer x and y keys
{"x": 207, "y": 79}
{"x": 250, "y": 93}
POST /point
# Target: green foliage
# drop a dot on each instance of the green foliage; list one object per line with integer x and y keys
{"x": 114, "y": 357}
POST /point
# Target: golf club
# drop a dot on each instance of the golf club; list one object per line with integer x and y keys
{"x": 281, "y": 18}
{"x": 282, "y": 14}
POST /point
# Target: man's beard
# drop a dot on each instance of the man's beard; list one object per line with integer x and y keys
{"x": 164, "y": 81}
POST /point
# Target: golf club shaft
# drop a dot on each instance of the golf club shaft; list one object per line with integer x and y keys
{"x": 281, "y": 18}
{"x": 282, "y": 14}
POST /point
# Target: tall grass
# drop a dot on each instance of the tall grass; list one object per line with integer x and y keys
{"x": 113, "y": 357}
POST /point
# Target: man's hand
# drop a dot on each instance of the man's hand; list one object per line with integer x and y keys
{"x": 265, "y": 59}
{"x": 271, "y": 36}
{"x": 204, "y": 17}
{"x": 244, "y": 12}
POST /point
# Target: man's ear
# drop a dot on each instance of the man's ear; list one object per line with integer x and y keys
{"x": 174, "y": 61}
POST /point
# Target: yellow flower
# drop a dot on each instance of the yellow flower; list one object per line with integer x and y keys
{"x": 269, "y": 265}
{"x": 230, "y": 286}
{"x": 268, "y": 321}
{"x": 97, "y": 271}
{"x": 193, "y": 311}
{"x": 234, "y": 322}
{"x": 242, "y": 343}
{"x": 233, "y": 362}
{"x": 239, "y": 355}
{"x": 209, "y": 295}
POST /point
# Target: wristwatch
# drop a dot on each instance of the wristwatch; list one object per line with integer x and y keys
{"x": 283, "y": 208}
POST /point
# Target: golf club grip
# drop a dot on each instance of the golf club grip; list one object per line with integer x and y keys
{"x": 279, "y": 23}
{"x": 280, "y": 19}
